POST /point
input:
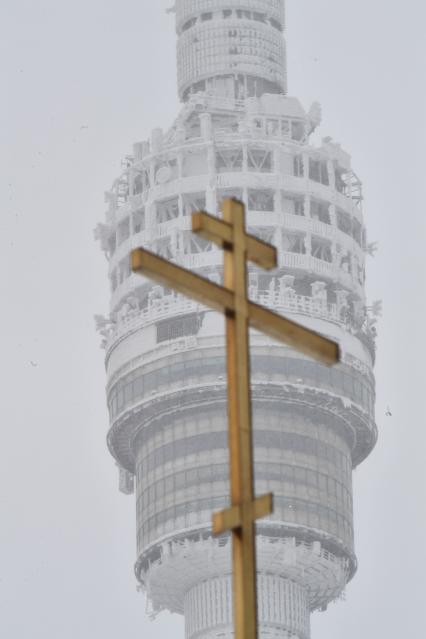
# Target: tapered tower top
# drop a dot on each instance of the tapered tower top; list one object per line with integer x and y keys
{"x": 233, "y": 48}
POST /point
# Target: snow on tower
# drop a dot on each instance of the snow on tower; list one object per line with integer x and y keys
{"x": 231, "y": 48}
{"x": 239, "y": 135}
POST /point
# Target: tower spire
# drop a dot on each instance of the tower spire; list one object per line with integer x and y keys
{"x": 233, "y": 48}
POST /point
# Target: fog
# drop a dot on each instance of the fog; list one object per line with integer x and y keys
{"x": 81, "y": 82}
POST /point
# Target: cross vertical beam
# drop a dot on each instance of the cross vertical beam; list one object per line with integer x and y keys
{"x": 240, "y": 428}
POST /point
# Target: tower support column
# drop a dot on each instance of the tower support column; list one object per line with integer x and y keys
{"x": 283, "y": 609}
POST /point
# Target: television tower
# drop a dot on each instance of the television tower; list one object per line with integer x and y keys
{"x": 239, "y": 135}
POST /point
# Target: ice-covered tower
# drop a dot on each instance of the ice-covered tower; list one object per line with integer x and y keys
{"x": 232, "y": 49}
{"x": 239, "y": 135}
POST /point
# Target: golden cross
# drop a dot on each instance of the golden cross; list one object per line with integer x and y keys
{"x": 232, "y": 300}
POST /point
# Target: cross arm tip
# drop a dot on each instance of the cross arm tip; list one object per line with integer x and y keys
{"x": 295, "y": 335}
{"x": 212, "y": 228}
{"x": 136, "y": 260}
{"x": 226, "y": 520}
{"x": 263, "y": 254}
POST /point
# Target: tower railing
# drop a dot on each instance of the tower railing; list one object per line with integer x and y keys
{"x": 173, "y": 306}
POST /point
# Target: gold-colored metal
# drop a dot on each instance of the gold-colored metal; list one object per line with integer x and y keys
{"x": 220, "y": 232}
{"x": 300, "y": 338}
{"x": 232, "y": 300}
{"x": 172, "y": 276}
{"x": 232, "y": 517}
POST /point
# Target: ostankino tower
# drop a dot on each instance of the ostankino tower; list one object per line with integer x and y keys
{"x": 239, "y": 134}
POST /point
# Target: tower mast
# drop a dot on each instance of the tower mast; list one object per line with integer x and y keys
{"x": 239, "y": 135}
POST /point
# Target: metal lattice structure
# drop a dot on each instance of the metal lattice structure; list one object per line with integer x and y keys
{"x": 165, "y": 354}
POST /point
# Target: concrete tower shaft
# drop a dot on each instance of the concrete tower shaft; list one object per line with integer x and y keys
{"x": 242, "y": 46}
{"x": 238, "y": 135}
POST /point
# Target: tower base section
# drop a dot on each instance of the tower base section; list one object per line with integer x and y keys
{"x": 175, "y": 572}
{"x": 283, "y": 609}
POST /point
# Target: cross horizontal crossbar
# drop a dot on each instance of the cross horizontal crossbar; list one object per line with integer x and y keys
{"x": 223, "y": 300}
{"x": 221, "y": 233}
{"x": 232, "y": 518}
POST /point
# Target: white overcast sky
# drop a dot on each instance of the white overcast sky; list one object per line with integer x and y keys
{"x": 66, "y": 535}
